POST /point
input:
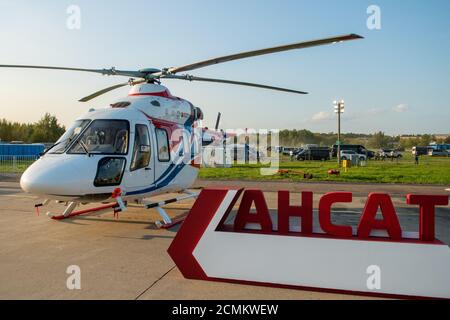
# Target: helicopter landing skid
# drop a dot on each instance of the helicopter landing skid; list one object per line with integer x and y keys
{"x": 117, "y": 206}
{"x": 69, "y": 214}
{"x": 167, "y": 222}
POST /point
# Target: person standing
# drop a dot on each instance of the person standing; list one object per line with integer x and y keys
{"x": 416, "y": 157}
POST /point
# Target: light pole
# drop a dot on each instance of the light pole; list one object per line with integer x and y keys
{"x": 339, "y": 108}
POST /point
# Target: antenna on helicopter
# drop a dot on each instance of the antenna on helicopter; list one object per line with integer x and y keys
{"x": 217, "y": 121}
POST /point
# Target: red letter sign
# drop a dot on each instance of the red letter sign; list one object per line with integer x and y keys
{"x": 426, "y": 205}
{"x": 325, "y": 214}
{"x": 389, "y": 222}
{"x": 261, "y": 216}
{"x": 285, "y": 210}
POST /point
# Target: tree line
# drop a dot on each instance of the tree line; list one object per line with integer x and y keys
{"x": 47, "y": 129}
{"x": 297, "y": 138}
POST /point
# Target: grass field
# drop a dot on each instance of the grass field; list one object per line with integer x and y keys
{"x": 18, "y": 166}
{"x": 429, "y": 171}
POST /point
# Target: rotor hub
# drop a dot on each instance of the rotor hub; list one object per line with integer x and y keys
{"x": 149, "y": 70}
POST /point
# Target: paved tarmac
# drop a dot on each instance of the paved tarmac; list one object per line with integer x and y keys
{"x": 126, "y": 258}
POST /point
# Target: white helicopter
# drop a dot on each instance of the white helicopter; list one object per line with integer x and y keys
{"x": 142, "y": 145}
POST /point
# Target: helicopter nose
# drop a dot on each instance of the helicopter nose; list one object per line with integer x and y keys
{"x": 35, "y": 184}
{"x": 49, "y": 177}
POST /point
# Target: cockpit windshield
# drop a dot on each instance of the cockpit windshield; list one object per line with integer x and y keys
{"x": 69, "y": 136}
{"x": 103, "y": 137}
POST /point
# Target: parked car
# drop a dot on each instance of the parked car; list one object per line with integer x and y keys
{"x": 314, "y": 153}
{"x": 287, "y": 151}
{"x": 389, "y": 154}
{"x": 438, "y": 153}
{"x": 238, "y": 152}
{"x": 297, "y": 151}
{"x": 379, "y": 155}
{"x": 440, "y": 147}
{"x": 370, "y": 154}
{"x": 420, "y": 151}
{"x": 354, "y": 147}
{"x": 348, "y": 154}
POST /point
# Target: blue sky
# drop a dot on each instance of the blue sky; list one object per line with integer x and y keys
{"x": 396, "y": 79}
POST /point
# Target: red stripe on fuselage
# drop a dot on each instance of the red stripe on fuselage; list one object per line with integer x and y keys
{"x": 164, "y": 94}
{"x": 171, "y": 127}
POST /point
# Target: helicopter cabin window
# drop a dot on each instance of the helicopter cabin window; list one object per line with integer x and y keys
{"x": 109, "y": 172}
{"x": 103, "y": 137}
{"x": 141, "y": 149}
{"x": 163, "y": 145}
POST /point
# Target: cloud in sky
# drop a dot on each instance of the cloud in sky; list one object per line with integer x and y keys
{"x": 375, "y": 111}
{"x": 401, "y": 108}
{"x": 322, "y": 115}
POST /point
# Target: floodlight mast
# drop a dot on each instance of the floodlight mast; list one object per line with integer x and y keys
{"x": 339, "y": 108}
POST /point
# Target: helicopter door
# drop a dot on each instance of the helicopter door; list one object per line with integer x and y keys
{"x": 142, "y": 166}
{"x": 162, "y": 153}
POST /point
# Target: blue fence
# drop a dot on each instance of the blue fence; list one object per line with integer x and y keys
{"x": 16, "y": 158}
{"x": 440, "y": 147}
{"x": 16, "y": 164}
{"x": 9, "y": 149}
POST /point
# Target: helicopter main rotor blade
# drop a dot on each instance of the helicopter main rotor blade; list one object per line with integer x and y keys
{"x": 103, "y": 91}
{"x": 108, "y": 72}
{"x": 248, "y": 84}
{"x": 299, "y": 45}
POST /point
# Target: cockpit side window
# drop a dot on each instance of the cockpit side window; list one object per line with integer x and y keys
{"x": 110, "y": 171}
{"x": 163, "y": 145}
{"x": 141, "y": 148}
{"x": 103, "y": 137}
